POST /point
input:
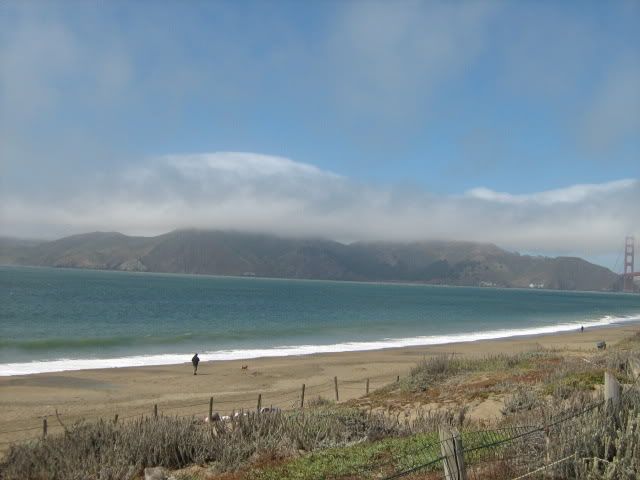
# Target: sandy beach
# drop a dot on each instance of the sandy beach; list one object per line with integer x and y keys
{"x": 128, "y": 392}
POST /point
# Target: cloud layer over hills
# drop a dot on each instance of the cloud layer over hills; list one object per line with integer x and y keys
{"x": 259, "y": 193}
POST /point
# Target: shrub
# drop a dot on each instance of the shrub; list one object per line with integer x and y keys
{"x": 319, "y": 402}
{"x": 522, "y": 400}
{"x": 605, "y": 441}
{"x": 106, "y": 451}
{"x": 438, "y": 368}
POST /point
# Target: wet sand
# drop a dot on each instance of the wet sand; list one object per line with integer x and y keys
{"x": 91, "y": 394}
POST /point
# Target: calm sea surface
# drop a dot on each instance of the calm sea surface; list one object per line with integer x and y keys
{"x": 59, "y": 319}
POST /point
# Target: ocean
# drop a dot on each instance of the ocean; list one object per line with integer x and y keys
{"x": 63, "y": 319}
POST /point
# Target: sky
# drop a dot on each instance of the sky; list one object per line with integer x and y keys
{"x": 516, "y": 123}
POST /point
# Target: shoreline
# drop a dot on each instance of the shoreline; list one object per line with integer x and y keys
{"x": 365, "y": 282}
{"x": 133, "y": 391}
{"x": 174, "y": 359}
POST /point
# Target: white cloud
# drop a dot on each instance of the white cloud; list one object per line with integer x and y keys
{"x": 572, "y": 194}
{"x": 242, "y": 164}
{"x": 277, "y": 195}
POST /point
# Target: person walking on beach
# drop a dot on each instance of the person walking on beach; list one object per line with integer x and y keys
{"x": 195, "y": 360}
{"x": 582, "y": 329}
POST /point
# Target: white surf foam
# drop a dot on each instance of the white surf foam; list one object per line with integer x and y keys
{"x": 10, "y": 369}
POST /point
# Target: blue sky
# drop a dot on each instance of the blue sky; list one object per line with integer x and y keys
{"x": 418, "y": 104}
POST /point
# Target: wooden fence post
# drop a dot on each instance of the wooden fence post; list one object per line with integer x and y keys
{"x": 451, "y": 448}
{"x": 155, "y": 410}
{"x": 634, "y": 367}
{"x": 398, "y": 379}
{"x": 302, "y": 397}
{"x": 259, "y": 401}
{"x": 611, "y": 389}
{"x": 44, "y": 427}
{"x": 115, "y": 419}
{"x": 367, "y": 389}
{"x": 210, "y": 409}
{"x": 335, "y": 384}
{"x": 547, "y": 445}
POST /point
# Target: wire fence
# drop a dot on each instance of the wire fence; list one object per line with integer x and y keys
{"x": 224, "y": 405}
{"x": 514, "y": 453}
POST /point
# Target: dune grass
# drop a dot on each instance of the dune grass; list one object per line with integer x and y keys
{"x": 107, "y": 451}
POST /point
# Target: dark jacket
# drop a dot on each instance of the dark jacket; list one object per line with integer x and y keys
{"x": 195, "y": 360}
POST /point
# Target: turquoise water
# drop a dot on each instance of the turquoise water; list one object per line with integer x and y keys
{"x": 59, "y": 319}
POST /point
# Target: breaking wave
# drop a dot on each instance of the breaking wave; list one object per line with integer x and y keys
{"x": 9, "y": 369}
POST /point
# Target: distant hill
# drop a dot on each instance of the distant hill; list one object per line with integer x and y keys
{"x": 15, "y": 250}
{"x": 232, "y": 253}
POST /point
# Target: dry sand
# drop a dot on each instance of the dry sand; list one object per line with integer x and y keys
{"x": 26, "y": 400}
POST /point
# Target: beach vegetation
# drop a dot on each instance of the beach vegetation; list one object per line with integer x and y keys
{"x": 108, "y": 451}
{"x": 360, "y": 460}
{"x": 523, "y": 399}
{"x": 597, "y": 443}
{"x": 381, "y": 433}
{"x": 319, "y": 401}
{"x": 569, "y": 383}
{"x": 435, "y": 370}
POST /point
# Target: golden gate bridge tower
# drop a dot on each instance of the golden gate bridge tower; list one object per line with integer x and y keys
{"x": 629, "y": 274}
